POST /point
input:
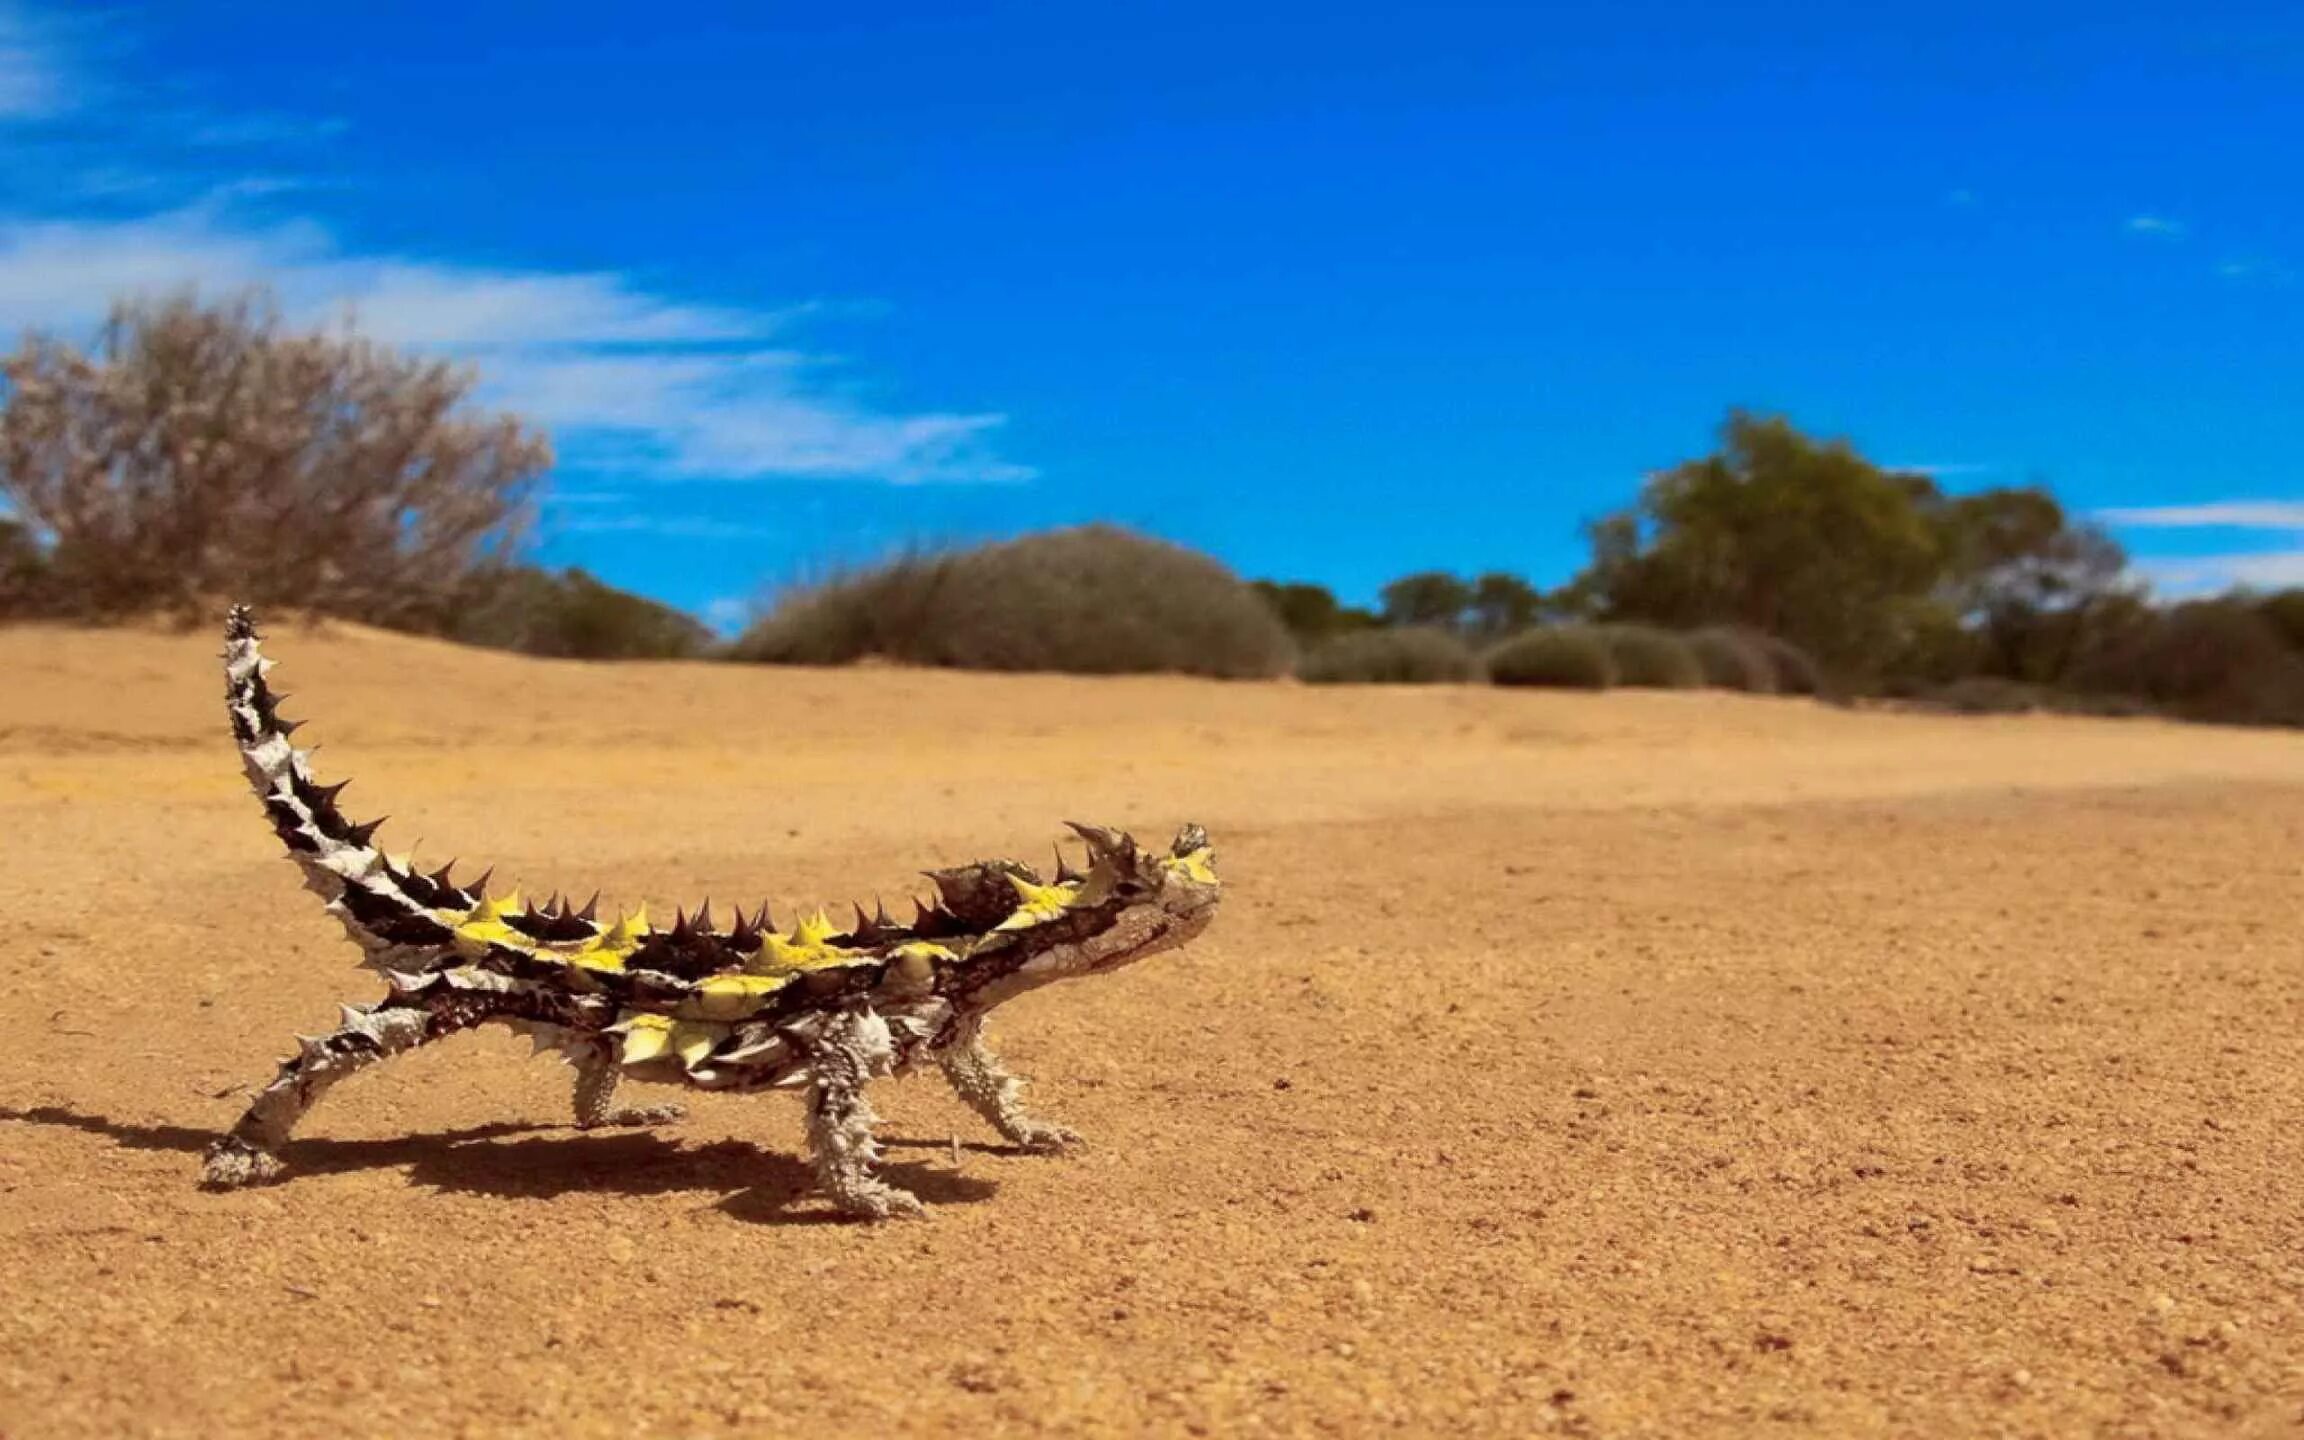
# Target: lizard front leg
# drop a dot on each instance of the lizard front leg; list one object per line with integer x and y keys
{"x": 843, "y": 1057}
{"x": 980, "y": 1079}
{"x": 597, "y": 1075}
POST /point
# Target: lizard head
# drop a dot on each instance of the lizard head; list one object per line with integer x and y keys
{"x": 1128, "y": 904}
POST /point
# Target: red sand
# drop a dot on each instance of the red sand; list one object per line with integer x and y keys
{"x": 1624, "y": 1065}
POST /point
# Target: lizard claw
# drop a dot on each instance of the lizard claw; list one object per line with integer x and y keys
{"x": 1039, "y": 1139}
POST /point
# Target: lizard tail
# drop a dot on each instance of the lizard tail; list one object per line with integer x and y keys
{"x": 388, "y": 908}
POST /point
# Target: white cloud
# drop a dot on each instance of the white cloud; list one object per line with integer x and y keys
{"x": 2226, "y": 514}
{"x": 2257, "y": 570}
{"x": 672, "y": 387}
{"x": 2158, "y": 226}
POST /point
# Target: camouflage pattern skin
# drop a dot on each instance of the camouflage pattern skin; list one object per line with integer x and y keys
{"x": 823, "y": 1008}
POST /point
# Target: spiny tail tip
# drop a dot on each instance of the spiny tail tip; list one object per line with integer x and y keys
{"x": 240, "y": 623}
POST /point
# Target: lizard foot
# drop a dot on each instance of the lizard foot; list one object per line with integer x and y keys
{"x": 232, "y": 1163}
{"x": 637, "y": 1115}
{"x": 876, "y": 1201}
{"x": 1041, "y": 1139}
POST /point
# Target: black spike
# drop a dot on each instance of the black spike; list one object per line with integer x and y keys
{"x": 591, "y": 910}
{"x": 359, "y": 834}
{"x": 680, "y": 929}
{"x": 478, "y": 889}
{"x": 287, "y": 728}
{"x": 704, "y": 916}
{"x": 440, "y": 876}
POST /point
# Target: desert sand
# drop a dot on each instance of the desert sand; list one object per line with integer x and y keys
{"x": 1639, "y": 1064}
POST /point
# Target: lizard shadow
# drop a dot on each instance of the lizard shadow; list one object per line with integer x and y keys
{"x": 523, "y": 1160}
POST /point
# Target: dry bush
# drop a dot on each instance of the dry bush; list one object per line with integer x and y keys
{"x": 569, "y": 615}
{"x": 1797, "y": 672}
{"x": 1090, "y": 600}
{"x": 202, "y": 451}
{"x": 1403, "y": 655}
{"x": 2218, "y": 660}
{"x": 1573, "y": 657}
{"x": 1651, "y": 658}
{"x": 1733, "y": 660}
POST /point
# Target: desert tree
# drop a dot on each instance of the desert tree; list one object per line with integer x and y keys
{"x": 198, "y": 450}
{"x": 1431, "y": 598}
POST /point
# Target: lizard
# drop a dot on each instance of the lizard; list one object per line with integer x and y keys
{"x": 822, "y": 1008}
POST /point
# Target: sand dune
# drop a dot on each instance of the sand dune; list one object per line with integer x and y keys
{"x": 1620, "y": 1065}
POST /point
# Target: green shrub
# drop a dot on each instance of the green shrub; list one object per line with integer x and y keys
{"x": 569, "y": 615}
{"x": 1571, "y": 657}
{"x": 1733, "y": 660}
{"x": 1408, "y": 655}
{"x": 1651, "y": 658}
{"x": 1090, "y": 600}
{"x": 1797, "y": 672}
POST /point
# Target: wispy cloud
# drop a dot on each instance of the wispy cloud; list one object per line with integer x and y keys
{"x": 1946, "y": 469}
{"x": 677, "y": 527}
{"x": 2221, "y": 514}
{"x": 32, "y": 80}
{"x": 665, "y": 385}
{"x": 2254, "y": 570}
{"x": 728, "y": 614}
{"x": 625, "y": 375}
{"x": 2200, "y": 574}
{"x": 2266, "y": 272}
{"x": 2159, "y": 227}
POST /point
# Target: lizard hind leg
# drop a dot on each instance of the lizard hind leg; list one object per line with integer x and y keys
{"x": 842, "y": 1060}
{"x": 249, "y": 1154}
{"x": 987, "y": 1087}
{"x": 597, "y": 1076}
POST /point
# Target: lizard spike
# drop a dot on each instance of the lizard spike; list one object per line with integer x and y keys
{"x": 590, "y": 914}
{"x": 1101, "y": 842}
{"x": 286, "y": 728}
{"x": 880, "y": 916}
{"x": 328, "y": 793}
{"x": 1064, "y": 870}
{"x": 680, "y": 930}
{"x": 440, "y": 876}
{"x": 479, "y": 887}
{"x": 863, "y": 921}
{"x": 551, "y": 910}
{"x": 359, "y": 834}
{"x": 704, "y": 916}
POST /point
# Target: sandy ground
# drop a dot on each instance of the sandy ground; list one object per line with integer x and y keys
{"x": 1632, "y": 1065}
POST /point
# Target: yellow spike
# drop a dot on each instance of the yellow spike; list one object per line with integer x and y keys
{"x": 646, "y": 1037}
{"x": 626, "y": 932}
{"x": 813, "y": 931}
{"x": 1039, "y": 903}
{"x": 730, "y": 997}
{"x": 695, "y": 1040}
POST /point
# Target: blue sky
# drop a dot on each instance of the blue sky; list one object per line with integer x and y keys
{"x": 1335, "y": 291}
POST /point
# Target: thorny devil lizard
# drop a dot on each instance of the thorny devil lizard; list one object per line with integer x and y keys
{"x": 822, "y": 1009}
